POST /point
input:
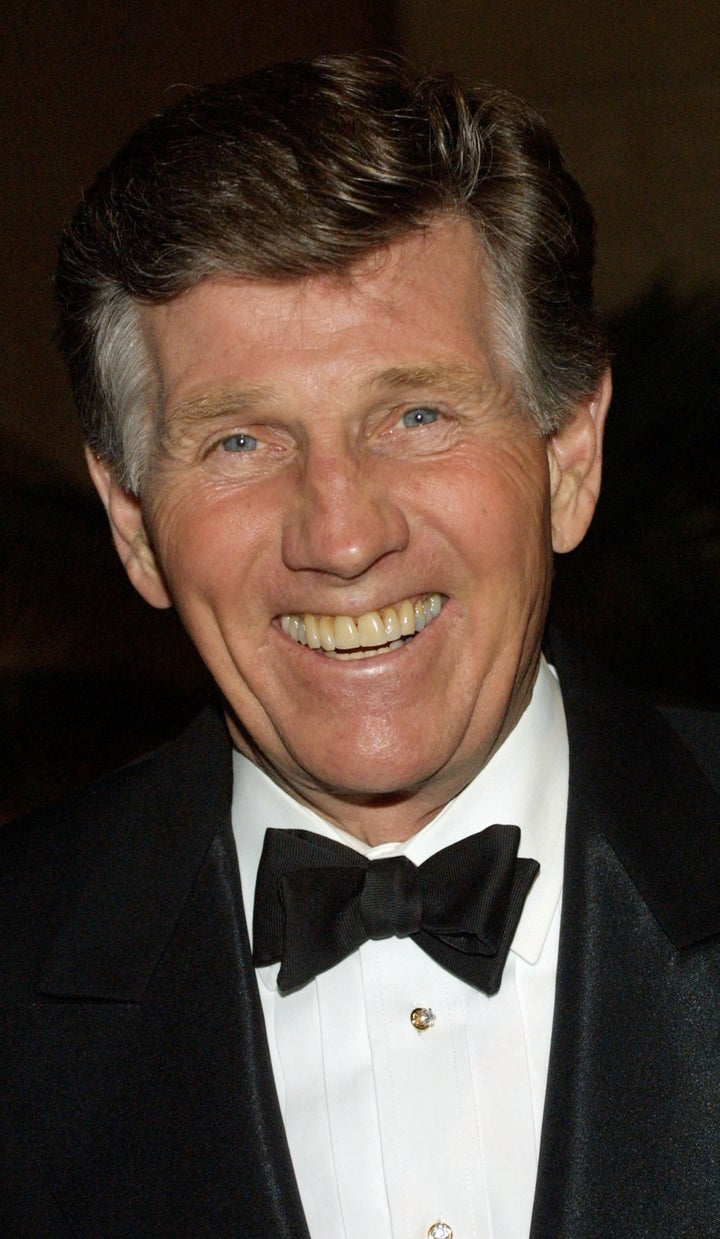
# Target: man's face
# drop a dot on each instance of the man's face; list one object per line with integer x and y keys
{"x": 349, "y": 446}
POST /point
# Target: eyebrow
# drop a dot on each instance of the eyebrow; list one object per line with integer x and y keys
{"x": 215, "y": 403}
{"x": 453, "y": 377}
{"x": 208, "y": 404}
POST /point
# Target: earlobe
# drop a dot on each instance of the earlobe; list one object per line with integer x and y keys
{"x": 127, "y": 524}
{"x": 575, "y": 462}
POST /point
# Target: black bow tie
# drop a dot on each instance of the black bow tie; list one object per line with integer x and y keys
{"x": 317, "y": 901}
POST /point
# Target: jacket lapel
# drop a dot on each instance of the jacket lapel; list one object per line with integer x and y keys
{"x": 634, "y": 1058}
{"x": 152, "y": 1006}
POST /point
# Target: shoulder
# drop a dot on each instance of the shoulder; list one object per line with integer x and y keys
{"x": 49, "y": 858}
{"x": 124, "y": 795}
{"x": 637, "y": 784}
{"x": 611, "y": 717}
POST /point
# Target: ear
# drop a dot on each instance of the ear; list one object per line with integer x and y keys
{"x": 128, "y": 530}
{"x": 575, "y": 462}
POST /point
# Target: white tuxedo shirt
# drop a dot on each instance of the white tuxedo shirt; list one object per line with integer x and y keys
{"x": 393, "y": 1130}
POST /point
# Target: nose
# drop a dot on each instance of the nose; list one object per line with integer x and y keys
{"x": 343, "y": 519}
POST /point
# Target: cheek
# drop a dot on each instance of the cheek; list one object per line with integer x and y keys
{"x": 208, "y": 543}
{"x": 496, "y": 513}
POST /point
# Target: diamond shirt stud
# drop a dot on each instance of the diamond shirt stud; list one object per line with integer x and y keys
{"x": 422, "y": 1018}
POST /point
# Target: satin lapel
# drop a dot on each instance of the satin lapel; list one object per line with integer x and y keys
{"x": 636, "y": 1044}
{"x": 151, "y": 1099}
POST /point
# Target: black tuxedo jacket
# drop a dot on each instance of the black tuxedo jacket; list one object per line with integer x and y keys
{"x": 136, "y": 1093}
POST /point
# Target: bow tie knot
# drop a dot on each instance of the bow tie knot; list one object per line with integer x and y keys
{"x": 317, "y": 901}
{"x": 391, "y": 902}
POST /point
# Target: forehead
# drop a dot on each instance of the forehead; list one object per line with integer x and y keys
{"x": 425, "y": 302}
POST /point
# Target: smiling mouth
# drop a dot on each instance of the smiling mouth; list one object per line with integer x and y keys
{"x": 364, "y": 636}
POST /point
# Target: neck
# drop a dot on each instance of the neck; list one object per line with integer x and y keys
{"x": 375, "y": 819}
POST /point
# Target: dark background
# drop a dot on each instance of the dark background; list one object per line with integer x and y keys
{"x": 89, "y": 675}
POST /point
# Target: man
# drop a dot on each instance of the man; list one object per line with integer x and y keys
{"x": 332, "y": 337}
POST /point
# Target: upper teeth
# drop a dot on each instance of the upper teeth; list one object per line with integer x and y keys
{"x": 367, "y": 631}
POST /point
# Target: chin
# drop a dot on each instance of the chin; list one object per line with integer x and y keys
{"x": 370, "y": 775}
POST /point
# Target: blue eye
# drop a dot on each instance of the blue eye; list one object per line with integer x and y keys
{"x": 419, "y": 417}
{"x": 239, "y": 443}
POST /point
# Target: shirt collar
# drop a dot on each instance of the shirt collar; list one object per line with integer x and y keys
{"x": 525, "y": 783}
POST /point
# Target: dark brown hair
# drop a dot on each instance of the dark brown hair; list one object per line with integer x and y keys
{"x": 303, "y": 168}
